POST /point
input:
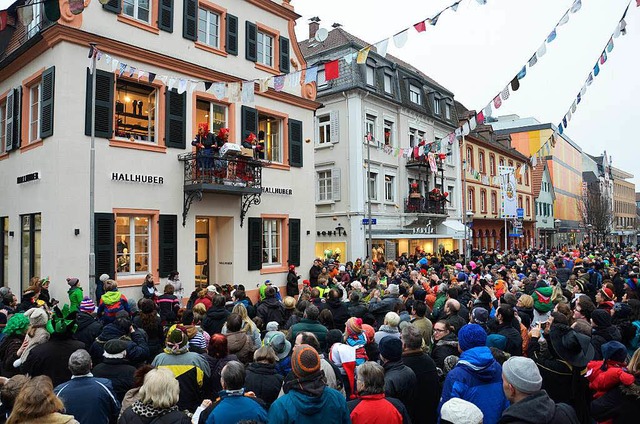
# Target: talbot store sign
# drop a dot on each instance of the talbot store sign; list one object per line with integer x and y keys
{"x": 137, "y": 178}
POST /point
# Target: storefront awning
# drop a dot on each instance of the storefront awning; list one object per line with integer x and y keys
{"x": 455, "y": 229}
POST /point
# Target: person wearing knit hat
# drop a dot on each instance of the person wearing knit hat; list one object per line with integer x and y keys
{"x": 477, "y": 378}
{"x": 37, "y": 334}
{"x": 14, "y": 334}
{"x": 603, "y": 331}
{"x": 400, "y": 380}
{"x": 605, "y": 298}
{"x": 75, "y": 294}
{"x": 189, "y": 368}
{"x": 87, "y": 305}
{"x": 459, "y": 411}
{"x": 522, "y": 385}
{"x": 308, "y": 398}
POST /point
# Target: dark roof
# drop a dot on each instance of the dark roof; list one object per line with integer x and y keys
{"x": 338, "y": 37}
{"x": 589, "y": 177}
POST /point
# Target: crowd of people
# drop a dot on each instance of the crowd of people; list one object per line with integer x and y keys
{"x": 506, "y": 337}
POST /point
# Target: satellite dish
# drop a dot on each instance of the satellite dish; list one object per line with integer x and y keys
{"x": 321, "y": 34}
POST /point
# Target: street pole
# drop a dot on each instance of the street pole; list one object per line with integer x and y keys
{"x": 367, "y": 181}
{"x": 506, "y": 237}
{"x": 465, "y": 247}
{"x": 92, "y": 178}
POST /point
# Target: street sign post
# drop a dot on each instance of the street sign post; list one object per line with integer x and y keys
{"x": 365, "y": 221}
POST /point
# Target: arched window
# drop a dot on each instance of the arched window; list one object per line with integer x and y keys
{"x": 469, "y": 158}
{"x": 471, "y": 204}
{"x": 492, "y": 164}
{"x": 528, "y": 208}
{"x": 494, "y": 202}
{"x": 483, "y": 201}
{"x": 481, "y": 161}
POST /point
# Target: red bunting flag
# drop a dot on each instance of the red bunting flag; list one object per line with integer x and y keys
{"x": 638, "y": 3}
{"x": 420, "y": 26}
{"x": 331, "y": 70}
{"x": 480, "y": 118}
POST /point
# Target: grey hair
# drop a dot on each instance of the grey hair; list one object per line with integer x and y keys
{"x": 233, "y": 375}
{"x": 412, "y": 337}
{"x": 371, "y": 375}
{"x": 80, "y": 362}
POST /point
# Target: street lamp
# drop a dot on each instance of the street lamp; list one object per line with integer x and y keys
{"x": 467, "y": 242}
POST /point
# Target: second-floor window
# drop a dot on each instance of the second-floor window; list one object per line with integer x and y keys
{"x": 370, "y": 126}
{"x": 483, "y": 201}
{"x": 34, "y": 112}
{"x": 388, "y": 133}
{"x": 451, "y": 197}
{"x": 469, "y": 158}
{"x": 3, "y": 125}
{"x": 481, "y": 162}
{"x": 389, "y": 188}
{"x": 324, "y": 129}
{"x": 324, "y": 186}
{"x": 272, "y": 127}
{"x": 209, "y": 27}
{"x": 135, "y": 111}
{"x": 492, "y": 165}
{"x": 212, "y": 113}
{"x": 265, "y": 49}
{"x": 137, "y": 9}
{"x": 470, "y": 200}
{"x": 415, "y": 95}
{"x": 494, "y": 202}
{"x": 373, "y": 186}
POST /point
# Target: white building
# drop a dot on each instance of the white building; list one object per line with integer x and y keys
{"x": 400, "y": 107}
{"x": 165, "y": 214}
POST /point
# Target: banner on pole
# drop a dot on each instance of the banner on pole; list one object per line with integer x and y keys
{"x": 509, "y": 203}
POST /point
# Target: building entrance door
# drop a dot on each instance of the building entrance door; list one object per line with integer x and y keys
{"x": 214, "y": 250}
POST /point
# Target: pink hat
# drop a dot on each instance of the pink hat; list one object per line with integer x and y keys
{"x": 458, "y": 266}
{"x": 472, "y": 264}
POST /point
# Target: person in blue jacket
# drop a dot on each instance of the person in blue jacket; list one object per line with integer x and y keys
{"x": 477, "y": 378}
{"x": 308, "y": 399}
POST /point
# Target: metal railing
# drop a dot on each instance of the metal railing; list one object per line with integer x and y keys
{"x": 230, "y": 171}
{"x": 424, "y": 205}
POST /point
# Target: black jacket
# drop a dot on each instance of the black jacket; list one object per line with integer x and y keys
{"x": 539, "y": 408}
{"x": 137, "y": 347}
{"x": 8, "y": 354}
{"x": 154, "y": 332}
{"x": 446, "y": 346}
{"x": 175, "y": 417}
{"x": 339, "y": 311}
{"x": 292, "y": 284}
{"x": 314, "y": 272}
{"x": 400, "y": 382}
{"x": 215, "y": 319}
{"x": 602, "y": 335}
{"x": 514, "y": 339}
{"x": 88, "y": 329}
{"x": 621, "y": 405}
{"x": 357, "y": 310}
{"x": 119, "y": 371}
{"x": 271, "y": 309}
{"x": 563, "y": 274}
{"x": 264, "y": 381}
{"x": 52, "y": 359}
{"x": 427, "y": 389}
{"x": 215, "y": 365}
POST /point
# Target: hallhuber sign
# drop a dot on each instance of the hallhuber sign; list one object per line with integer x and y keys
{"x": 137, "y": 178}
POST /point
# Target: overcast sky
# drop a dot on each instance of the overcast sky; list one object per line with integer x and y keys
{"x": 477, "y": 50}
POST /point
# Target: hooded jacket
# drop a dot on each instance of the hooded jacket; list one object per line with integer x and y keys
{"x": 110, "y": 304}
{"x": 446, "y": 346}
{"x": 620, "y": 405}
{"x": 400, "y": 382}
{"x": 215, "y": 320}
{"x": 241, "y": 344}
{"x": 264, "y": 381}
{"x": 88, "y": 329}
{"x": 538, "y": 408}
{"x": 602, "y": 335}
{"x": 300, "y": 408}
{"x": 477, "y": 379}
{"x": 271, "y": 309}
{"x": 75, "y": 298}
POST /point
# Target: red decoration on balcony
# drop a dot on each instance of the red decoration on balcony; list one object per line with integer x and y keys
{"x": 442, "y": 156}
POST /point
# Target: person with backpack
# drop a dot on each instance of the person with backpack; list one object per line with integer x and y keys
{"x": 112, "y": 302}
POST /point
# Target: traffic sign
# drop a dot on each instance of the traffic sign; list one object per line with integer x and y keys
{"x": 365, "y": 221}
{"x": 520, "y": 213}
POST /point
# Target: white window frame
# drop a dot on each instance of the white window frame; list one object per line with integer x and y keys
{"x": 3, "y": 125}
{"x": 265, "y": 48}
{"x": 413, "y": 137}
{"x": 136, "y": 12}
{"x": 388, "y": 83}
{"x": 386, "y": 124}
{"x": 321, "y": 79}
{"x": 447, "y": 110}
{"x": 415, "y": 94}
{"x": 470, "y": 200}
{"x": 152, "y": 110}
{"x": 371, "y": 75}
{"x": 325, "y": 176}
{"x": 267, "y": 246}
{"x": 35, "y": 96}
{"x": 131, "y": 248}
{"x": 389, "y": 188}
{"x": 34, "y": 26}
{"x": 324, "y": 129}
{"x": 481, "y": 163}
{"x": 494, "y": 202}
{"x": 210, "y": 117}
{"x": 208, "y": 22}
{"x": 372, "y": 186}
{"x": 271, "y": 140}
{"x": 436, "y": 106}
{"x": 370, "y": 124}
{"x": 483, "y": 201}
{"x": 451, "y": 198}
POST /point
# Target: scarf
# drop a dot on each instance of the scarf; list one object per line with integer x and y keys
{"x": 149, "y": 411}
{"x": 311, "y": 385}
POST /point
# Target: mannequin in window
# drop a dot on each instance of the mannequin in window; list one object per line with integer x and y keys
{"x": 123, "y": 261}
{"x": 122, "y": 244}
{"x": 204, "y": 148}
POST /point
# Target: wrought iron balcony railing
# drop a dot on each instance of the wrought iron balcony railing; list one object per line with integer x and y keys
{"x": 425, "y": 205}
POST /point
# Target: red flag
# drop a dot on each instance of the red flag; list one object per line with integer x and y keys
{"x": 420, "y": 26}
{"x": 638, "y": 3}
{"x": 331, "y": 70}
{"x": 480, "y": 118}
{"x": 3, "y": 19}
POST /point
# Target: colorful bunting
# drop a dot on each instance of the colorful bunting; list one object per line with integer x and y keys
{"x": 362, "y": 56}
{"x": 248, "y": 96}
{"x": 311, "y": 75}
{"x": 533, "y": 60}
{"x": 480, "y": 118}
{"x": 400, "y": 39}
{"x": 564, "y": 19}
{"x": 219, "y": 90}
{"x": 278, "y": 82}
{"x": 381, "y": 47}
{"x": 497, "y": 102}
{"x": 610, "y": 45}
{"x": 522, "y": 73}
{"x": 420, "y": 26}
{"x": 551, "y": 36}
{"x": 505, "y": 93}
{"x": 331, "y": 70}
{"x": 515, "y": 83}
{"x": 576, "y": 6}
{"x": 542, "y": 50}
{"x": 233, "y": 92}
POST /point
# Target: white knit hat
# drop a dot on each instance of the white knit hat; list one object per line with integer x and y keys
{"x": 459, "y": 411}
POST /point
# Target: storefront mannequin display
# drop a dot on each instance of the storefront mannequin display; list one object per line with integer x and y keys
{"x": 204, "y": 148}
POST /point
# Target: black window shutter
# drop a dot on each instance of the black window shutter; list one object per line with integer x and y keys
{"x": 295, "y": 143}
{"x": 284, "y": 55}
{"x": 190, "y": 21}
{"x": 46, "y": 102}
{"x": 168, "y": 244}
{"x": 104, "y": 240}
{"x": 9, "y": 122}
{"x": 255, "y": 244}
{"x": 249, "y": 121}
{"x": 294, "y": 242}
{"x": 165, "y": 18}
{"x": 17, "y": 118}
{"x": 104, "y": 104}
{"x": 176, "y": 113}
{"x": 251, "y": 41}
{"x": 231, "y": 44}
{"x": 113, "y": 6}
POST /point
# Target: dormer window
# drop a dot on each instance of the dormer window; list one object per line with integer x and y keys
{"x": 387, "y": 84}
{"x": 436, "y": 106}
{"x": 415, "y": 94}
{"x": 371, "y": 72}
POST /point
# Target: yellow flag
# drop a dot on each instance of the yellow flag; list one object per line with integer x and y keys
{"x": 362, "y": 56}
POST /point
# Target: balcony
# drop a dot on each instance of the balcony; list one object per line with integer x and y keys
{"x": 425, "y": 205}
{"x": 230, "y": 175}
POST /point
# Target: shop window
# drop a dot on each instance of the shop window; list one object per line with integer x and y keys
{"x": 30, "y": 247}
{"x": 135, "y": 111}
{"x": 272, "y": 127}
{"x": 209, "y": 27}
{"x": 271, "y": 242}
{"x": 389, "y": 188}
{"x": 492, "y": 164}
{"x": 3, "y": 125}
{"x": 137, "y": 9}
{"x": 265, "y": 49}
{"x": 324, "y": 129}
{"x": 388, "y": 133}
{"x": 494, "y": 202}
{"x": 4, "y": 253}
{"x": 34, "y": 112}
{"x": 388, "y": 88}
{"x": 415, "y": 94}
{"x": 214, "y": 114}
{"x": 133, "y": 253}
{"x": 324, "y": 186}
{"x": 370, "y": 126}
{"x": 373, "y": 186}
{"x": 371, "y": 75}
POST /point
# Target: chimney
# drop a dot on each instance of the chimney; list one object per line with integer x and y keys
{"x": 314, "y": 26}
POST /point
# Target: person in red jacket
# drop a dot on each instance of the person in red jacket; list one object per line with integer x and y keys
{"x": 371, "y": 405}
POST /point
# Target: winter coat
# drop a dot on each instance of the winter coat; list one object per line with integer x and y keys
{"x": 446, "y": 346}
{"x": 377, "y": 409}
{"x": 400, "y": 382}
{"x": 173, "y": 417}
{"x": 52, "y": 359}
{"x": 427, "y": 388}
{"x": 168, "y": 306}
{"x": 110, "y": 304}
{"x": 271, "y": 309}
{"x": 88, "y": 329}
{"x": 206, "y": 301}
{"x": 89, "y": 399}
{"x": 621, "y": 405}
{"x": 292, "y": 284}
{"x": 264, "y": 381}
{"x": 602, "y": 335}
{"x": 119, "y": 372}
{"x": 241, "y": 344}
{"x": 53, "y": 418}
{"x": 539, "y": 408}
{"x": 155, "y": 335}
{"x": 339, "y": 311}
{"x": 314, "y": 272}
{"x": 215, "y": 367}
{"x": 357, "y": 310}
{"x": 477, "y": 379}
{"x": 526, "y": 316}
{"x": 380, "y": 308}
{"x": 215, "y": 320}
{"x": 190, "y": 369}
{"x": 149, "y": 291}
{"x": 137, "y": 347}
{"x": 233, "y": 408}
{"x": 75, "y": 298}
{"x": 514, "y": 339}
{"x": 310, "y": 326}
{"x": 299, "y": 408}
{"x": 8, "y": 354}
{"x": 385, "y": 331}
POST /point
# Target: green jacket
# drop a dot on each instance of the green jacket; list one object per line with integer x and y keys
{"x": 75, "y": 298}
{"x": 311, "y": 326}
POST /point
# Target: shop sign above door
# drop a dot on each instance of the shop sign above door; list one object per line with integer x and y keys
{"x": 29, "y": 177}
{"x": 137, "y": 178}
{"x": 427, "y": 229}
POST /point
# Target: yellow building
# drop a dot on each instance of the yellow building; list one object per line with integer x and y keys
{"x": 624, "y": 208}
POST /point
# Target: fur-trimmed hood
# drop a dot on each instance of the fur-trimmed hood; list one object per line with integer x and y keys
{"x": 632, "y": 390}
